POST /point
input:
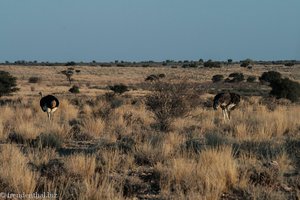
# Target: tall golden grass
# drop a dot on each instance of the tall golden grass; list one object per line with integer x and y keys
{"x": 15, "y": 172}
{"x": 213, "y": 173}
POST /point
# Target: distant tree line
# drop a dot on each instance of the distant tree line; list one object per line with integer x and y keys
{"x": 168, "y": 63}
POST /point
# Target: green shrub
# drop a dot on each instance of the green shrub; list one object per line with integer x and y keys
{"x": 34, "y": 79}
{"x": 7, "y": 83}
{"x": 161, "y": 75}
{"x": 236, "y": 77}
{"x": 152, "y": 77}
{"x": 74, "y": 89}
{"x": 217, "y": 78}
{"x": 190, "y": 65}
{"x": 251, "y": 79}
{"x": 212, "y": 64}
{"x": 270, "y": 76}
{"x": 119, "y": 88}
{"x": 246, "y": 63}
{"x": 289, "y": 64}
{"x": 72, "y": 63}
{"x": 285, "y": 88}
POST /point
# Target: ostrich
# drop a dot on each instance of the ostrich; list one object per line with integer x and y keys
{"x": 49, "y": 104}
{"x": 227, "y": 101}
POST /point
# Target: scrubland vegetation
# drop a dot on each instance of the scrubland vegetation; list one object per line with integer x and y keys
{"x": 149, "y": 140}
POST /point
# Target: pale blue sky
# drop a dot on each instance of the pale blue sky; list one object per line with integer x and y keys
{"x": 135, "y": 30}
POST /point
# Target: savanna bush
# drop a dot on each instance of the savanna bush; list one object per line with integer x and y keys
{"x": 236, "y": 77}
{"x": 251, "y": 79}
{"x": 119, "y": 88}
{"x": 167, "y": 102}
{"x": 74, "y": 89}
{"x": 246, "y": 63}
{"x": 34, "y": 79}
{"x": 152, "y": 77}
{"x": 8, "y": 83}
{"x": 212, "y": 64}
{"x": 162, "y": 75}
{"x": 270, "y": 76}
{"x": 285, "y": 88}
{"x": 289, "y": 64}
{"x": 71, "y": 63}
{"x": 217, "y": 78}
{"x": 190, "y": 65}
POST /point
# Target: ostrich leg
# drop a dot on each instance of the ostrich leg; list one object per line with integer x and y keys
{"x": 224, "y": 114}
{"x": 228, "y": 114}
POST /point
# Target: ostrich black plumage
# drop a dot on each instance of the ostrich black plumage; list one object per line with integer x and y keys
{"x": 49, "y": 104}
{"x": 227, "y": 101}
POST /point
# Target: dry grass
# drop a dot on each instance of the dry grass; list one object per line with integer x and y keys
{"x": 83, "y": 165}
{"x": 101, "y": 188}
{"x": 259, "y": 123}
{"x": 93, "y": 126}
{"x": 41, "y": 156}
{"x": 14, "y": 171}
{"x": 118, "y": 152}
{"x": 214, "y": 173}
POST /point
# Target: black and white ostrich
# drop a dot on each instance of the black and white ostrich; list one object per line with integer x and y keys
{"x": 227, "y": 101}
{"x": 49, "y": 104}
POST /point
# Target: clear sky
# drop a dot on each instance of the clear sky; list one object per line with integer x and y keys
{"x": 136, "y": 30}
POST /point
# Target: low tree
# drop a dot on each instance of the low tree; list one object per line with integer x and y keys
{"x": 68, "y": 73}
{"x": 8, "y": 83}
{"x": 229, "y": 61}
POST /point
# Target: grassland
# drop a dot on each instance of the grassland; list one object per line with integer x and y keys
{"x": 103, "y": 146}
